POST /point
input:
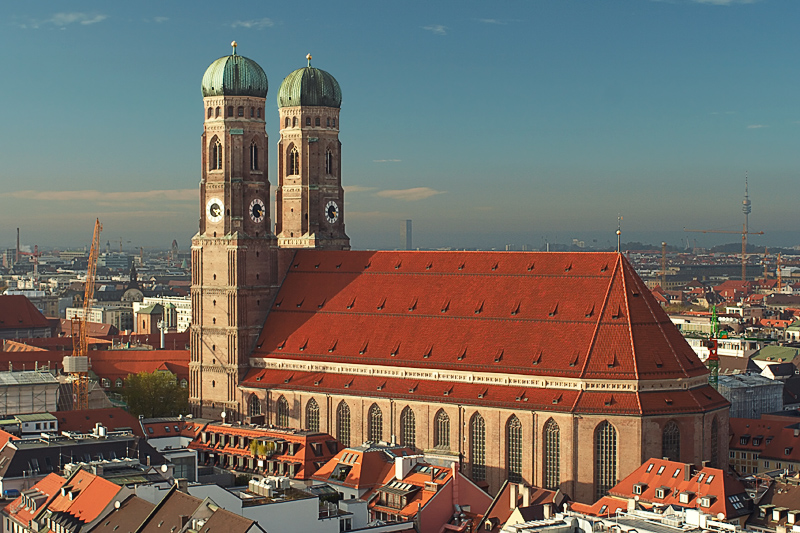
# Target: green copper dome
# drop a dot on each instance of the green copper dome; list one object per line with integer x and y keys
{"x": 309, "y": 86}
{"x": 235, "y": 75}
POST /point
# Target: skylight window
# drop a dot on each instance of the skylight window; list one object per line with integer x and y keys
{"x": 709, "y": 480}
{"x": 677, "y": 471}
{"x": 649, "y": 467}
{"x": 660, "y": 470}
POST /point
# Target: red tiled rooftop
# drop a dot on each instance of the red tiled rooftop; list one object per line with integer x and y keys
{"x": 17, "y": 312}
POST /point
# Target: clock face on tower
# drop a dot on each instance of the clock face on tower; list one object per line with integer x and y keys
{"x": 214, "y": 210}
{"x": 332, "y": 212}
{"x": 257, "y": 210}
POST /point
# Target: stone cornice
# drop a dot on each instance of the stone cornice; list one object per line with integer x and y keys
{"x": 488, "y": 378}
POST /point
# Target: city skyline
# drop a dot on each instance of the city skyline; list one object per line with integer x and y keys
{"x": 483, "y": 124}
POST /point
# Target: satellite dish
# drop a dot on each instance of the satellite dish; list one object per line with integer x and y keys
{"x": 721, "y": 516}
{"x": 116, "y": 504}
{"x": 222, "y": 414}
{"x": 164, "y": 468}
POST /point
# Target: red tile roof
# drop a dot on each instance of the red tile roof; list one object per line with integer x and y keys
{"x": 654, "y": 474}
{"x": 93, "y": 494}
{"x": 16, "y": 311}
{"x": 365, "y": 468}
{"x": 577, "y": 314}
{"x": 113, "y": 418}
{"x": 113, "y": 364}
{"x": 48, "y": 486}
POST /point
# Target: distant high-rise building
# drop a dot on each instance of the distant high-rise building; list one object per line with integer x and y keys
{"x": 406, "y": 234}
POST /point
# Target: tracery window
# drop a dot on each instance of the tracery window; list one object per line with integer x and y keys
{"x": 282, "y": 412}
{"x": 312, "y": 415}
{"x": 294, "y": 162}
{"x": 328, "y": 162}
{"x": 478, "y": 447}
{"x": 441, "y": 434}
{"x": 552, "y": 455}
{"x": 408, "y": 428}
{"x": 215, "y": 155}
{"x": 343, "y": 423}
{"x": 253, "y": 156}
{"x": 375, "y": 420}
{"x": 253, "y": 406}
{"x": 605, "y": 458}
{"x": 514, "y": 449}
{"x": 671, "y": 441}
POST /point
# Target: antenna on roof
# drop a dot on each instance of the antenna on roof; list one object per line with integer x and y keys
{"x": 619, "y": 231}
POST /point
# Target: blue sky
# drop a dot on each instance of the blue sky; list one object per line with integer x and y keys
{"x": 484, "y": 122}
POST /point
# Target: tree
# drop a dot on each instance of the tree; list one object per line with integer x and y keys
{"x": 154, "y": 395}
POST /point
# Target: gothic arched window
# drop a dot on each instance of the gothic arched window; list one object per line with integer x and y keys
{"x": 333, "y": 122}
{"x": 441, "y": 432}
{"x": 328, "y": 162}
{"x": 605, "y": 459}
{"x": 286, "y": 122}
{"x": 216, "y": 112}
{"x": 253, "y": 406}
{"x": 478, "y": 447}
{"x": 375, "y": 421}
{"x": 294, "y": 162}
{"x": 514, "y": 449}
{"x": 282, "y": 413}
{"x": 252, "y": 112}
{"x": 215, "y": 155}
{"x": 343, "y": 423}
{"x": 329, "y": 122}
{"x": 308, "y": 121}
{"x": 714, "y": 444}
{"x": 316, "y": 121}
{"x": 671, "y": 441}
{"x": 294, "y": 122}
{"x": 240, "y": 111}
{"x": 552, "y": 455}
{"x": 210, "y": 111}
{"x": 230, "y": 111}
{"x": 408, "y": 428}
{"x": 253, "y": 156}
{"x": 312, "y": 415}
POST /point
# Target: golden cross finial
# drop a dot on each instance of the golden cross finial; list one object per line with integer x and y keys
{"x": 234, "y": 45}
{"x": 308, "y": 56}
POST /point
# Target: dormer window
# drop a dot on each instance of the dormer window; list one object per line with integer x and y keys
{"x": 685, "y": 497}
{"x": 661, "y": 492}
{"x": 639, "y": 488}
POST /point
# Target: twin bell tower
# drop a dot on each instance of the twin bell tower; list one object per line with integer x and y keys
{"x": 237, "y": 259}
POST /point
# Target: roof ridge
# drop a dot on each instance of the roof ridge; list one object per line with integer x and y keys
{"x": 599, "y": 319}
{"x": 630, "y": 330}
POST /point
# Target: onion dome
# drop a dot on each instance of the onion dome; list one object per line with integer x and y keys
{"x": 235, "y": 75}
{"x": 309, "y": 86}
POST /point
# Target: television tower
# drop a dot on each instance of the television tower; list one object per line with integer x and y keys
{"x": 746, "y": 207}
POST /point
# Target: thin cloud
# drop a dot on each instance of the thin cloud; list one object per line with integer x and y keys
{"x": 756, "y": 126}
{"x": 171, "y": 195}
{"x": 357, "y": 188}
{"x": 409, "y": 195}
{"x": 386, "y": 160}
{"x": 491, "y": 21}
{"x": 724, "y": 2}
{"x": 258, "y": 24}
{"x": 62, "y": 20}
{"x": 436, "y": 29}
{"x": 157, "y": 20}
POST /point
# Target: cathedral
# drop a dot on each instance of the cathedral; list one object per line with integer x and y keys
{"x": 556, "y": 369}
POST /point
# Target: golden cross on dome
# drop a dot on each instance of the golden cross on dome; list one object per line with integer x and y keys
{"x": 308, "y": 56}
{"x": 234, "y": 44}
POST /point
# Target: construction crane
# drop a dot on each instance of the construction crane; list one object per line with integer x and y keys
{"x": 77, "y": 365}
{"x": 744, "y": 234}
{"x": 713, "y": 356}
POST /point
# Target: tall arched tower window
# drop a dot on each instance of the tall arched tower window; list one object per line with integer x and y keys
{"x": 375, "y": 420}
{"x": 714, "y": 444}
{"x": 671, "y": 441}
{"x": 408, "y": 428}
{"x": 552, "y": 455}
{"x": 215, "y": 155}
{"x": 253, "y": 406}
{"x": 478, "y": 447}
{"x": 605, "y": 459}
{"x": 286, "y": 122}
{"x": 514, "y": 449}
{"x": 312, "y": 415}
{"x": 343, "y": 423}
{"x": 328, "y": 162}
{"x": 441, "y": 434}
{"x": 294, "y": 122}
{"x": 293, "y": 162}
{"x": 282, "y": 413}
{"x": 253, "y": 156}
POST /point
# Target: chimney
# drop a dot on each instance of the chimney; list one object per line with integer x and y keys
{"x": 513, "y": 492}
{"x": 182, "y": 484}
{"x": 797, "y": 432}
{"x": 688, "y": 470}
{"x": 526, "y": 496}
{"x": 454, "y": 470}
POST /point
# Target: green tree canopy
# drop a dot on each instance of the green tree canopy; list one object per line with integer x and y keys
{"x": 154, "y": 395}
